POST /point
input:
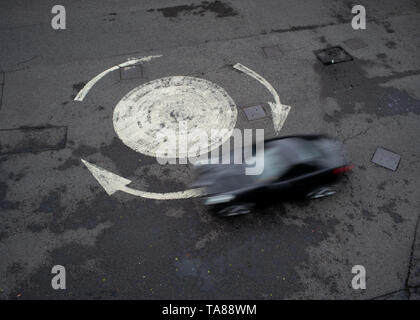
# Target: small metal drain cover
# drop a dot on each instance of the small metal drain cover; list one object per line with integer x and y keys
{"x": 333, "y": 55}
{"x": 270, "y": 52}
{"x": 387, "y": 159}
{"x": 254, "y": 112}
{"x": 131, "y": 72}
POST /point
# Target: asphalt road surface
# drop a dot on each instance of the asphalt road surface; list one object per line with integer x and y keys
{"x": 117, "y": 246}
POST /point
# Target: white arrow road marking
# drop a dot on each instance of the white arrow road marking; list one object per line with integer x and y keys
{"x": 113, "y": 183}
{"x": 82, "y": 93}
{"x": 279, "y": 111}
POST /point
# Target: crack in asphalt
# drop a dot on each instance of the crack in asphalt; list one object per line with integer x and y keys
{"x": 410, "y": 262}
{"x": 387, "y": 294}
{"x": 397, "y": 291}
{"x": 20, "y": 68}
{"x": 356, "y": 135}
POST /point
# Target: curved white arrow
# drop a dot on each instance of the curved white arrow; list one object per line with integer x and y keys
{"x": 113, "y": 183}
{"x": 82, "y": 93}
{"x": 279, "y": 111}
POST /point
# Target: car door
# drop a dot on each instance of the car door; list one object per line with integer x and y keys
{"x": 300, "y": 178}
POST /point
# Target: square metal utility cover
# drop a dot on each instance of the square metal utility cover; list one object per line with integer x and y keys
{"x": 254, "y": 112}
{"x": 333, "y": 55}
{"x": 270, "y": 52}
{"x": 355, "y": 43}
{"x": 131, "y": 72}
{"x": 387, "y": 159}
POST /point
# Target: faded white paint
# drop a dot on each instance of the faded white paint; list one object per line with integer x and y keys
{"x": 157, "y": 108}
{"x": 82, "y": 93}
{"x": 113, "y": 183}
{"x": 279, "y": 111}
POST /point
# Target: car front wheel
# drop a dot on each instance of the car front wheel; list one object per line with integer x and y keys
{"x": 236, "y": 209}
{"x": 320, "y": 193}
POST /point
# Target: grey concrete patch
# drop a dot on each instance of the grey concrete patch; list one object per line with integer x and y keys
{"x": 32, "y": 139}
{"x": 333, "y": 55}
{"x": 272, "y": 51}
{"x": 355, "y": 44}
{"x": 254, "y": 112}
{"x": 415, "y": 294}
{"x": 175, "y": 212}
{"x": 387, "y": 159}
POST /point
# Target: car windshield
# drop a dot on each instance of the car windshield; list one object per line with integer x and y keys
{"x": 274, "y": 164}
{"x": 297, "y": 150}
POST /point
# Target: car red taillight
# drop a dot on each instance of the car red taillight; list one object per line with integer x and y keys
{"x": 342, "y": 169}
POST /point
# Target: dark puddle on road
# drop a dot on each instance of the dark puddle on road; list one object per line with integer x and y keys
{"x": 348, "y": 83}
{"x": 220, "y": 9}
{"x": 32, "y": 139}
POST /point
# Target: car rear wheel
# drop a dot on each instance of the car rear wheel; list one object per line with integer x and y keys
{"x": 236, "y": 209}
{"x": 320, "y": 193}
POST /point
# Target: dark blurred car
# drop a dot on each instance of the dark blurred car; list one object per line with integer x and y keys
{"x": 293, "y": 166}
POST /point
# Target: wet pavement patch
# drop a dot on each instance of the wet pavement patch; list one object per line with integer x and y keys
{"x": 355, "y": 44}
{"x": 254, "y": 112}
{"x": 388, "y": 27}
{"x": 83, "y": 151}
{"x": 387, "y": 159}
{"x": 76, "y": 88}
{"x": 219, "y": 8}
{"x": 350, "y": 85}
{"x": 391, "y": 208}
{"x": 333, "y": 55}
{"x": 4, "y": 203}
{"x": 391, "y": 44}
{"x": 32, "y": 139}
{"x": 131, "y": 72}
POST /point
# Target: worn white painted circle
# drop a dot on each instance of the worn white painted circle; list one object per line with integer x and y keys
{"x": 157, "y": 108}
